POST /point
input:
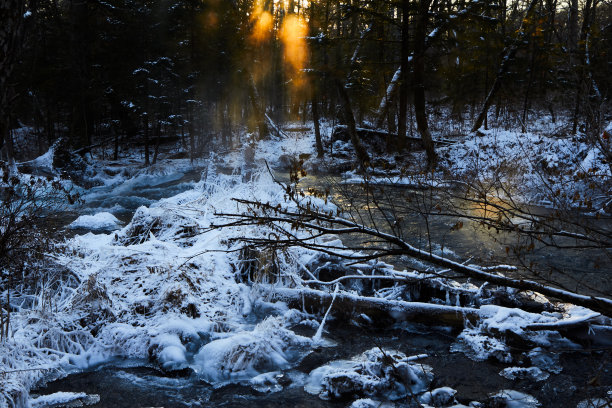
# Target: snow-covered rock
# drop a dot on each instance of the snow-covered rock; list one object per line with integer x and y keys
{"x": 269, "y": 347}
{"x": 439, "y": 397}
{"x": 529, "y": 373}
{"x": 96, "y": 222}
{"x": 375, "y": 373}
{"x": 513, "y": 399}
{"x": 64, "y": 399}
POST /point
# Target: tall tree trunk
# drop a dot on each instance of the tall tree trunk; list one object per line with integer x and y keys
{"x": 258, "y": 111}
{"x": 505, "y": 65}
{"x": 317, "y": 127}
{"x": 403, "y": 97}
{"x": 11, "y": 38}
{"x": 157, "y": 141}
{"x": 383, "y": 108}
{"x": 349, "y": 118}
{"x": 572, "y": 27}
{"x": 146, "y": 141}
{"x": 582, "y": 62}
{"x": 419, "y": 83}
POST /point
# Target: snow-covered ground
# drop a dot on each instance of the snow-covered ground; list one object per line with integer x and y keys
{"x": 167, "y": 287}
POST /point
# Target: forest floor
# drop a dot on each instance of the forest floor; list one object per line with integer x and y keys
{"x": 170, "y": 293}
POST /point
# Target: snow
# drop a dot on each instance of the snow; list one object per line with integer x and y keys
{"x": 375, "y": 373}
{"x": 99, "y": 221}
{"x": 268, "y": 347}
{"x": 56, "y": 398}
{"x": 166, "y": 286}
{"x": 44, "y": 161}
{"x": 370, "y": 403}
{"x": 439, "y": 397}
{"x": 530, "y": 373}
{"x": 266, "y": 382}
{"x": 514, "y": 399}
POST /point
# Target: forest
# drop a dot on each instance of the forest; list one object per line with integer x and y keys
{"x": 318, "y": 203}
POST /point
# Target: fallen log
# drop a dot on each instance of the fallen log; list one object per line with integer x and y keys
{"x": 566, "y": 324}
{"x": 378, "y": 309}
{"x": 378, "y": 137}
{"x": 329, "y": 224}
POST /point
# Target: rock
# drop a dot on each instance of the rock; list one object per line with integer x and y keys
{"x": 376, "y": 373}
{"x": 524, "y": 373}
{"x": 64, "y": 400}
{"x": 512, "y": 399}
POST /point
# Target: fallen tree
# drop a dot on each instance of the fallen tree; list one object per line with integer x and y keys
{"x": 303, "y": 215}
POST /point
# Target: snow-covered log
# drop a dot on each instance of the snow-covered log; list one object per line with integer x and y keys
{"x": 376, "y": 308}
{"x": 329, "y": 224}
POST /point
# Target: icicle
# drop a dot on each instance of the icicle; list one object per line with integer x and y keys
{"x": 317, "y": 337}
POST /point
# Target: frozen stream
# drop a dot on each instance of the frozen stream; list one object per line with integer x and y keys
{"x": 132, "y": 383}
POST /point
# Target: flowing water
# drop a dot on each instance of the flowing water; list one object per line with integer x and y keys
{"x": 129, "y": 383}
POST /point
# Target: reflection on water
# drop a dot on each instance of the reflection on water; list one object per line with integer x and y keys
{"x": 429, "y": 219}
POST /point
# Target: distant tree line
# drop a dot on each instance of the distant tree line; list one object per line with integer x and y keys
{"x": 125, "y": 72}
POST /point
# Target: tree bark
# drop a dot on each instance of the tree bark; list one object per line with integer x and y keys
{"x": 349, "y": 118}
{"x": 403, "y": 97}
{"x": 387, "y": 98}
{"x": 379, "y": 308}
{"x": 419, "y": 83}
{"x": 11, "y": 38}
{"x": 317, "y": 127}
{"x": 503, "y": 69}
{"x": 257, "y": 109}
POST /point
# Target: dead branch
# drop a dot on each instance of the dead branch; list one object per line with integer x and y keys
{"x": 307, "y": 217}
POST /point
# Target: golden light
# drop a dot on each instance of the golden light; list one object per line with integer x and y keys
{"x": 293, "y": 36}
{"x": 263, "y": 26}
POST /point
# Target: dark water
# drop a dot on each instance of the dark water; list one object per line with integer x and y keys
{"x": 585, "y": 375}
{"x": 586, "y": 271}
{"x": 123, "y": 386}
{"x": 122, "y": 199}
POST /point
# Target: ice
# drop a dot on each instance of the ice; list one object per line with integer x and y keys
{"x": 514, "y": 399}
{"x": 267, "y": 382}
{"x": 481, "y": 341}
{"x": 370, "y": 403}
{"x": 439, "y": 397}
{"x": 596, "y": 403}
{"x": 384, "y": 373}
{"x": 529, "y": 373}
{"x": 268, "y": 347}
{"x": 545, "y": 360}
{"x": 170, "y": 351}
{"x": 479, "y": 346}
{"x": 99, "y": 221}
{"x": 57, "y": 398}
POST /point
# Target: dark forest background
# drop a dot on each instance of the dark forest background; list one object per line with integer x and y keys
{"x": 124, "y": 72}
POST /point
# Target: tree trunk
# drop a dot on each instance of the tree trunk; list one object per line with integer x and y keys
{"x": 258, "y": 111}
{"x": 157, "y": 141}
{"x": 350, "y": 305}
{"x": 11, "y": 38}
{"x": 362, "y": 155}
{"x": 146, "y": 141}
{"x": 317, "y": 127}
{"x": 581, "y": 68}
{"x": 383, "y": 108}
{"x": 503, "y": 69}
{"x": 572, "y": 27}
{"x": 419, "y": 83}
{"x": 403, "y": 97}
